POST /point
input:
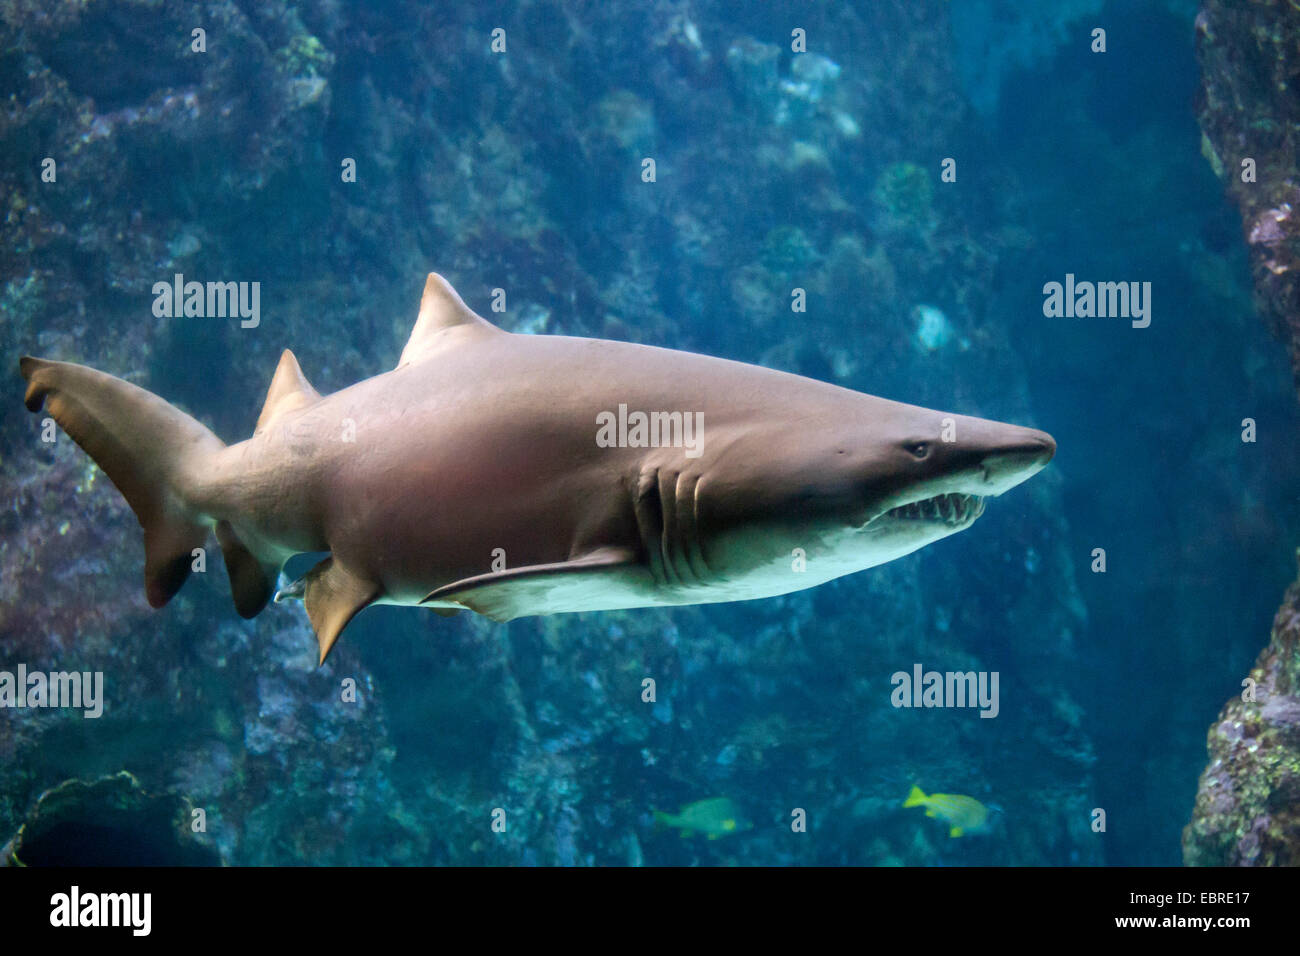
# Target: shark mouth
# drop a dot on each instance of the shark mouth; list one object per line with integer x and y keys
{"x": 952, "y": 509}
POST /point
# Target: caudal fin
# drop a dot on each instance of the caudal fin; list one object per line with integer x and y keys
{"x": 916, "y": 798}
{"x": 152, "y": 451}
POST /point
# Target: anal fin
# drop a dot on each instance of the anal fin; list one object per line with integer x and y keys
{"x": 333, "y": 595}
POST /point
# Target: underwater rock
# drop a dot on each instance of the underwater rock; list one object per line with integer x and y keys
{"x": 1247, "y": 809}
{"x": 1250, "y": 121}
{"x": 515, "y": 171}
{"x": 754, "y": 68}
{"x": 111, "y": 821}
{"x": 905, "y": 196}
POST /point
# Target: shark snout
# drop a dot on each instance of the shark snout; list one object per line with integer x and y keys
{"x": 1015, "y": 459}
{"x": 1048, "y": 443}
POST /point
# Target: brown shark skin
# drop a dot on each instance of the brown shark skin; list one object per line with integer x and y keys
{"x": 483, "y": 439}
{"x": 492, "y": 443}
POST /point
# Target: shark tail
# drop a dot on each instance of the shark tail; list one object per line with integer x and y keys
{"x": 153, "y": 452}
{"x": 916, "y": 798}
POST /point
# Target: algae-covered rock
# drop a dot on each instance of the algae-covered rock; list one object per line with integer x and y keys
{"x": 1248, "y": 803}
{"x": 905, "y": 193}
{"x": 110, "y": 821}
{"x": 1249, "y": 113}
{"x": 1247, "y": 810}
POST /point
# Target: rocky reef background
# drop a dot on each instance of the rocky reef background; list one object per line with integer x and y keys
{"x": 522, "y": 171}
{"x": 1247, "y": 810}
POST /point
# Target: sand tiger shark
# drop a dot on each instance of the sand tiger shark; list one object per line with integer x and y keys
{"x": 486, "y": 472}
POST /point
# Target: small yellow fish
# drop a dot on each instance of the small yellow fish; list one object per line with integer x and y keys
{"x": 715, "y": 817}
{"x": 963, "y": 814}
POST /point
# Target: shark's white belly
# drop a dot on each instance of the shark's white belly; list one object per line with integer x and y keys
{"x": 827, "y": 558}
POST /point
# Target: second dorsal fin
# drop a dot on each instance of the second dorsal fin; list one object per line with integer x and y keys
{"x": 289, "y": 391}
{"x": 440, "y": 309}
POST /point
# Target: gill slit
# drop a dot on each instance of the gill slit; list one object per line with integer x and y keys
{"x": 666, "y": 508}
{"x": 648, "y": 511}
{"x": 690, "y": 525}
{"x": 668, "y": 505}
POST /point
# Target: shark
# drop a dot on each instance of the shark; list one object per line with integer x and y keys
{"x": 503, "y": 474}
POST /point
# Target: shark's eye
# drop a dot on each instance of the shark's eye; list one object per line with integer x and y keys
{"x": 919, "y": 450}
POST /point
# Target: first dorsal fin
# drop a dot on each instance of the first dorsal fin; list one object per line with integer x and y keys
{"x": 440, "y": 309}
{"x": 289, "y": 391}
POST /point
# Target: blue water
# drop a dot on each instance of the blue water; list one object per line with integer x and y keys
{"x": 522, "y": 171}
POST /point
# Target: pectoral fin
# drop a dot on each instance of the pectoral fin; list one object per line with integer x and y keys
{"x": 955, "y": 832}
{"x": 536, "y": 589}
{"x": 333, "y": 595}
